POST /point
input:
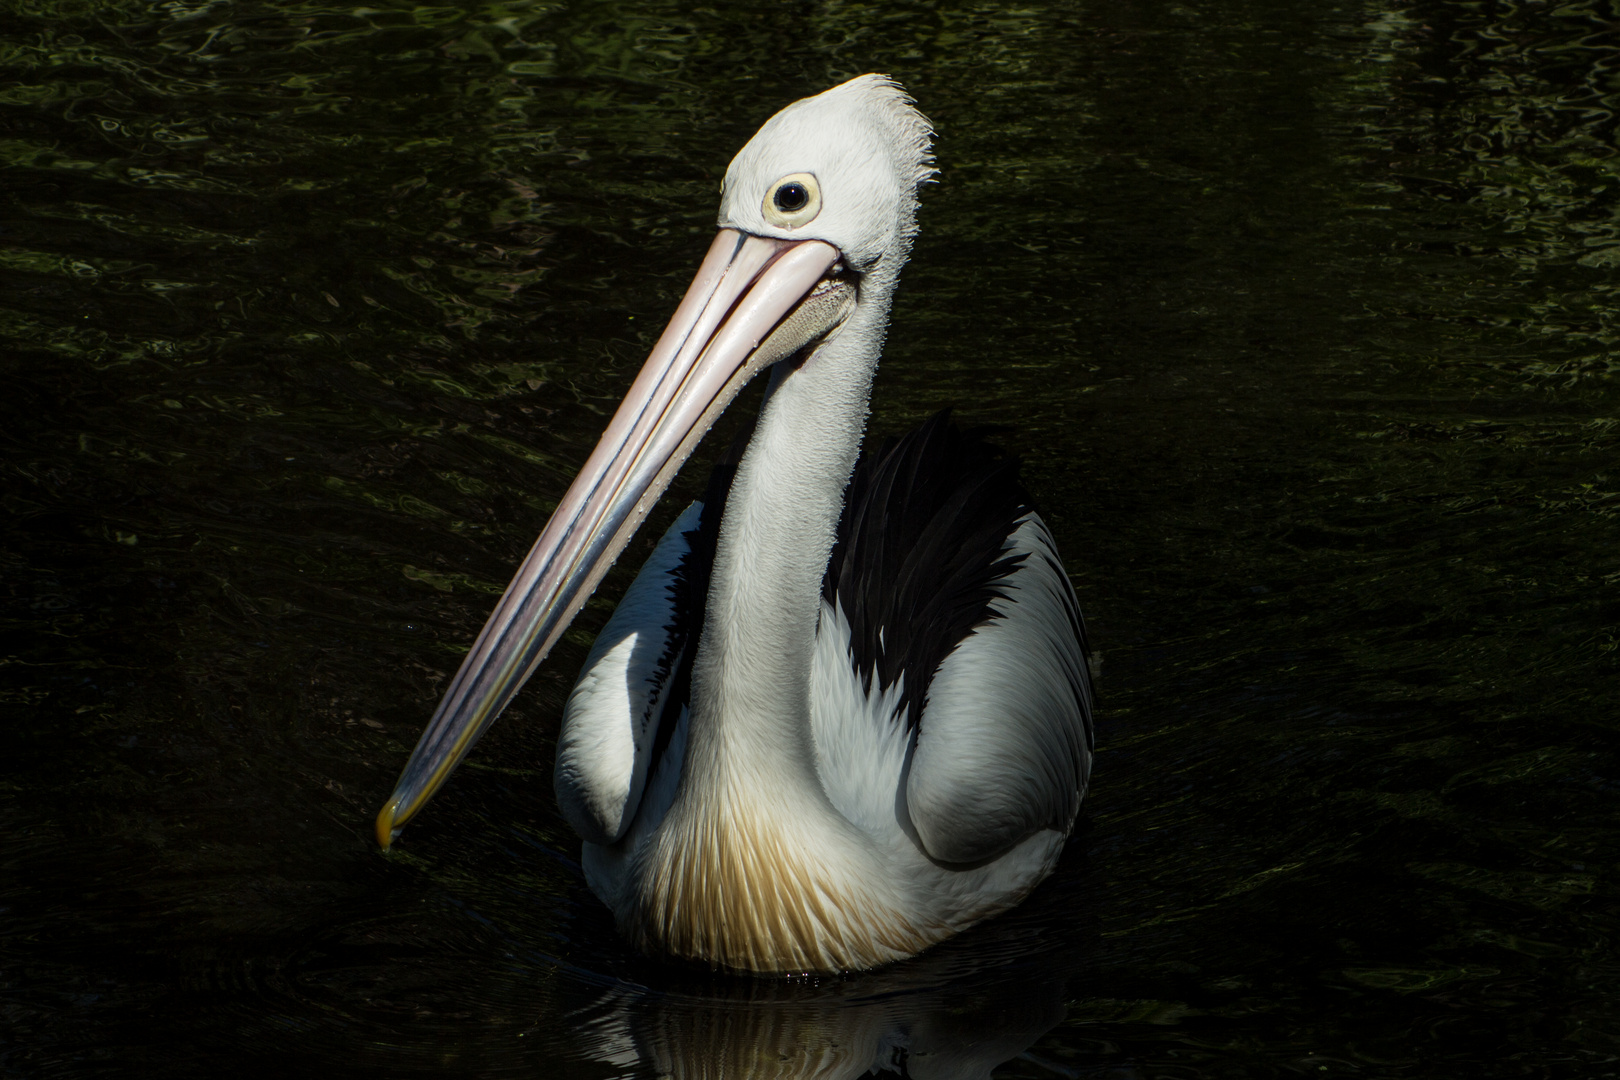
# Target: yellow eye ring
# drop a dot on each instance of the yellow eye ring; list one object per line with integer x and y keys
{"x": 792, "y": 201}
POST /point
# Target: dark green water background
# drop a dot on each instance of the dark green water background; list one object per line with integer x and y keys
{"x": 1301, "y": 313}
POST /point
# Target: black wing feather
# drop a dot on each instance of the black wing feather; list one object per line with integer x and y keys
{"x": 918, "y": 556}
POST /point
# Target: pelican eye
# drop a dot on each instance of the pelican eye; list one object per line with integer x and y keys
{"x": 792, "y": 201}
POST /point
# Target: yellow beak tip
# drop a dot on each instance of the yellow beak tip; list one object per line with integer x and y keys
{"x": 385, "y": 827}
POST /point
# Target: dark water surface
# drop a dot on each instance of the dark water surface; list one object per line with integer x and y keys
{"x": 1301, "y": 313}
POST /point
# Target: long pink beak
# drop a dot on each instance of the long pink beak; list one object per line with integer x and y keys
{"x": 734, "y": 321}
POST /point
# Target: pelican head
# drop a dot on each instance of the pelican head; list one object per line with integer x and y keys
{"x": 817, "y": 215}
{"x": 842, "y": 167}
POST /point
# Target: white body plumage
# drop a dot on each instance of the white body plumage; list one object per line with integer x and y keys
{"x": 882, "y": 895}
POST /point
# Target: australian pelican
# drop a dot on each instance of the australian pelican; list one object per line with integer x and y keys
{"x": 844, "y": 710}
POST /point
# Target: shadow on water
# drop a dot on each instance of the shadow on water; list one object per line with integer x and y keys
{"x": 1301, "y": 315}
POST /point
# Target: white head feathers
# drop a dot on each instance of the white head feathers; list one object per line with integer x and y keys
{"x": 868, "y": 148}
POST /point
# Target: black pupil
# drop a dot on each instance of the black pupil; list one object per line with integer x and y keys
{"x": 791, "y": 197}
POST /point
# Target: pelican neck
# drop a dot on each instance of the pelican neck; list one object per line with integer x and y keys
{"x": 750, "y": 705}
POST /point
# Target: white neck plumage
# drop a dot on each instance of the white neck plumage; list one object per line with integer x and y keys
{"x": 750, "y": 706}
{"x": 753, "y": 866}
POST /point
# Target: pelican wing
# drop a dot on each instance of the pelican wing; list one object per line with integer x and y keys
{"x": 611, "y": 723}
{"x": 954, "y": 594}
{"x": 623, "y": 710}
{"x": 1005, "y": 742}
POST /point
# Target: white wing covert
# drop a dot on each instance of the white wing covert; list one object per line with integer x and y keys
{"x": 1004, "y": 743}
{"x": 611, "y": 721}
